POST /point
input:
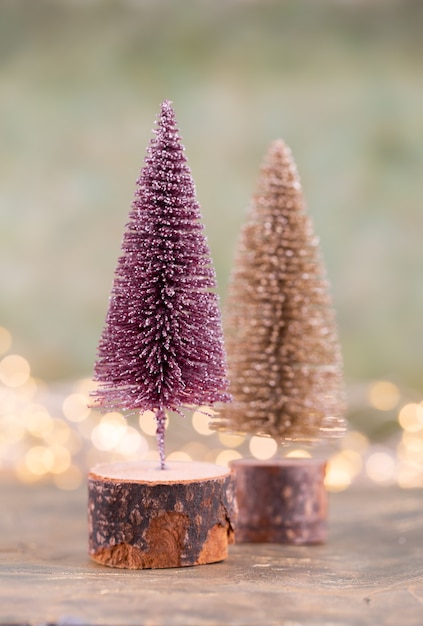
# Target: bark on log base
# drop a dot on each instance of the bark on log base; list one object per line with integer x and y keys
{"x": 281, "y": 501}
{"x": 143, "y": 517}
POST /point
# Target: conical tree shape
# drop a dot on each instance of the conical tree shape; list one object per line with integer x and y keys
{"x": 284, "y": 359}
{"x": 162, "y": 345}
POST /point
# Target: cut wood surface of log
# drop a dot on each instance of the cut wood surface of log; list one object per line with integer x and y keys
{"x": 141, "y": 516}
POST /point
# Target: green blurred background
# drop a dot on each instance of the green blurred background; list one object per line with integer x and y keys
{"x": 80, "y": 86}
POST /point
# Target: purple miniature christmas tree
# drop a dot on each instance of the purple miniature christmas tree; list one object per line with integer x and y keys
{"x": 162, "y": 345}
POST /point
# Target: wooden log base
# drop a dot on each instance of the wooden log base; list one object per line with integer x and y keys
{"x": 281, "y": 501}
{"x": 143, "y": 517}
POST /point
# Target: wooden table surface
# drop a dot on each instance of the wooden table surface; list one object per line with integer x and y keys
{"x": 369, "y": 572}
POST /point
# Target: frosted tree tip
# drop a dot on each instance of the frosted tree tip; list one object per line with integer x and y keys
{"x": 166, "y": 105}
{"x": 279, "y": 147}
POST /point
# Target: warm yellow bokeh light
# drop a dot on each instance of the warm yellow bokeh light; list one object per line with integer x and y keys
{"x": 148, "y": 423}
{"x": 352, "y": 461}
{"x": 298, "y": 453}
{"x": 85, "y": 386}
{"x": 61, "y": 459}
{"x": 226, "y": 456}
{"x": 337, "y": 478}
{"x": 38, "y": 420}
{"x": 75, "y": 407}
{"x": 231, "y": 441}
{"x": 39, "y": 441}
{"x": 410, "y": 417}
{"x": 380, "y": 467}
{"x": 263, "y": 447}
{"x": 14, "y": 370}
{"x": 354, "y": 440}
{"x": 411, "y": 457}
{"x": 39, "y": 460}
{"x": 74, "y": 442}
{"x": 384, "y": 395}
{"x": 132, "y": 442}
{"x": 28, "y": 390}
{"x": 59, "y": 433}
{"x": 201, "y": 420}
{"x": 178, "y": 455}
{"x": 410, "y": 449}
{"x": 409, "y": 476}
{"x": 108, "y": 434}
{"x": 196, "y": 450}
{"x": 12, "y": 429}
{"x": 341, "y": 469}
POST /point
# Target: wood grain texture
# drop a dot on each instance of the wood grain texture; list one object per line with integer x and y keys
{"x": 141, "y": 517}
{"x": 281, "y": 501}
{"x": 368, "y": 573}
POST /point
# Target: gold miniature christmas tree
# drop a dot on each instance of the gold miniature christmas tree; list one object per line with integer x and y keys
{"x": 284, "y": 358}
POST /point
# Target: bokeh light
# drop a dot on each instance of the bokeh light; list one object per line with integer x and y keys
{"x": 355, "y": 440}
{"x": 39, "y": 460}
{"x": 131, "y": 443}
{"x": 338, "y": 476}
{"x": 59, "y": 432}
{"x": 109, "y": 433}
{"x": 51, "y": 434}
{"x": 179, "y": 455}
{"x": 14, "y": 370}
{"x": 384, "y": 395}
{"x": 201, "y": 420}
{"x": 148, "y": 424}
{"x": 410, "y": 417}
{"x": 298, "y": 453}
{"x": 380, "y": 467}
{"x": 343, "y": 467}
{"x": 226, "y": 456}
{"x": 38, "y": 420}
{"x": 231, "y": 441}
{"x": 75, "y": 407}
{"x": 263, "y": 448}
